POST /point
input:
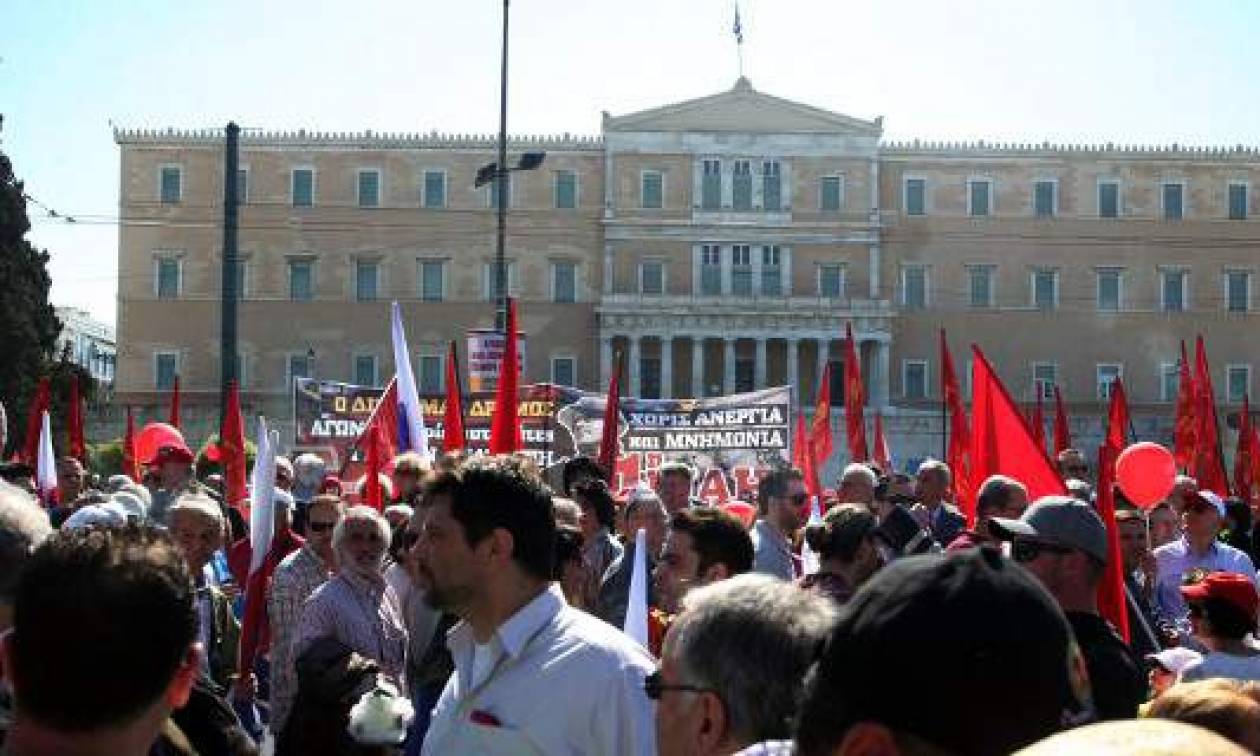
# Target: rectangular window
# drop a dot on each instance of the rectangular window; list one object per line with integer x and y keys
{"x": 564, "y": 371}
{"x": 1108, "y": 290}
{"x": 771, "y": 271}
{"x": 1045, "y": 376}
{"x": 1106, "y": 375}
{"x": 981, "y": 280}
{"x": 430, "y": 374}
{"x": 490, "y": 281}
{"x": 771, "y": 187}
{"x": 165, "y": 368}
{"x": 745, "y": 375}
{"x": 652, "y": 277}
{"x": 299, "y": 366}
{"x": 242, "y": 278}
{"x": 1173, "y": 290}
{"x": 711, "y": 270}
{"x": 369, "y": 188}
{"x": 711, "y": 185}
{"x": 650, "y": 377}
{"x": 435, "y": 189}
{"x": 242, "y": 186}
{"x": 829, "y": 194}
{"x": 914, "y": 287}
{"x": 566, "y": 190}
{"x": 1108, "y": 199}
{"x": 916, "y": 196}
{"x": 741, "y": 188}
{"x": 167, "y": 278}
{"x": 831, "y": 281}
{"x": 494, "y": 192}
{"x": 365, "y": 280}
{"x": 302, "y": 188}
{"x": 365, "y": 370}
{"x": 651, "y": 190}
{"x": 837, "y": 381}
{"x": 914, "y": 379}
{"x": 172, "y": 189}
{"x": 432, "y": 283}
{"x": 1238, "y": 201}
{"x": 1169, "y": 381}
{"x": 1045, "y": 289}
{"x": 563, "y": 282}
{"x": 978, "y": 197}
{"x": 1044, "y": 199}
{"x": 1173, "y": 196}
{"x": 301, "y": 280}
{"x": 1237, "y": 291}
{"x": 1238, "y": 381}
{"x": 741, "y": 270}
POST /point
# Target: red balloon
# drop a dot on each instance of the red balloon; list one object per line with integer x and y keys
{"x": 153, "y": 437}
{"x": 1146, "y": 472}
{"x": 741, "y": 509}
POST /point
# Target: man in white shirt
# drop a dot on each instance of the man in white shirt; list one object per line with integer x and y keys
{"x": 1197, "y": 549}
{"x": 532, "y": 675}
{"x": 780, "y": 497}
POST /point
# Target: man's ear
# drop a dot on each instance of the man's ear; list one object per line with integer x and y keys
{"x": 711, "y": 729}
{"x": 867, "y": 739}
{"x": 181, "y": 684}
{"x": 501, "y": 545}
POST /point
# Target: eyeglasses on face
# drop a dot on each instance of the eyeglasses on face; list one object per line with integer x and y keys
{"x": 1024, "y": 550}
{"x": 654, "y": 687}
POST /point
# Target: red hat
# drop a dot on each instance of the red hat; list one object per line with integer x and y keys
{"x": 172, "y": 453}
{"x": 1237, "y": 589}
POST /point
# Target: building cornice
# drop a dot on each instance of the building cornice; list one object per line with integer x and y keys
{"x": 981, "y": 148}
{"x": 367, "y": 139}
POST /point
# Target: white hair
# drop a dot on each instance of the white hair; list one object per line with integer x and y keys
{"x": 357, "y": 514}
{"x": 934, "y": 465}
{"x": 858, "y": 470}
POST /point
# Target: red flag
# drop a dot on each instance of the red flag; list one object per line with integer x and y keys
{"x": 854, "y": 399}
{"x": 1255, "y": 460}
{"x": 1244, "y": 456}
{"x": 610, "y": 438}
{"x": 174, "y": 421}
{"x": 958, "y": 453}
{"x": 881, "y": 455}
{"x": 1001, "y": 442}
{"x": 820, "y": 431}
{"x": 131, "y": 467}
{"x": 373, "y": 493}
{"x": 803, "y": 455}
{"x": 232, "y": 450}
{"x": 1039, "y": 421}
{"x": 1062, "y": 435}
{"x": 1111, "y": 597}
{"x": 74, "y": 421}
{"x": 505, "y": 426}
{"x": 1185, "y": 431}
{"x": 1117, "y": 420}
{"x": 1210, "y": 467}
{"x": 34, "y": 419}
{"x": 453, "y": 421}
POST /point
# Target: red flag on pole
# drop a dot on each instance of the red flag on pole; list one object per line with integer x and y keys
{"x": 74, "y": 421}
{"x": 373, "y": 492}
{"x": 1255, "y": 460}
{"x": 1117, "y": 420}
{"x": 1039, "y": 421}
{"x": 175, "y": 404}
{"x": 1185, "y": 431}
{"x": 820, "y": 431}
{"x": 610, "y": 438}
{"x": 958, "y": 452}
{"x": 881, "y": 455}
{"x": 34, "y": 420}
{"x": 1001, "y": 442}
{"x": 1210, "y": 467}
{"x": 1062, "y": 434}
{"x": 803, "y": 456}
{"x": 1111, "y": 597}
{"x": 131, "y": 467}
{"x": 453, "y": 420}
{"x": 505, "y": 426}
{"x": 232, "y": 450}
{"x": 854, "y": 399}
{"x": 1244, "y": 460}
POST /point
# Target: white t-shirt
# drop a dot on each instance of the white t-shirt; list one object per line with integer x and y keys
{"x": 1217, "y": 664}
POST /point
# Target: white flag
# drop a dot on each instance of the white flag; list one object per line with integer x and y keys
{"x": 411, "y": 428}
{"x": 46, "y": 463}
{"x": 809, "y": 559}
{"x": 637, "y": 608}
{"x": 262, "y": 496}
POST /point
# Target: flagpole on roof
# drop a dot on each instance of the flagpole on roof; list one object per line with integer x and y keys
{"x": 738, "y": 30}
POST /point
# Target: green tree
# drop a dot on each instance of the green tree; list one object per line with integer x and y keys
{"x": 28, "y": 324}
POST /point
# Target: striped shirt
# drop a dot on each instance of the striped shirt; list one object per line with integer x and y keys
{"x": 295, "y": 579}
{"x": 362, "y": 614}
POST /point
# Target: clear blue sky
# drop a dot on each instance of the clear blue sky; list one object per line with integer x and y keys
{"x": 1150, "y": 71}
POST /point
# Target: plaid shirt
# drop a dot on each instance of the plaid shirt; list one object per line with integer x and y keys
{"x": 295, "y": 579}
{"x": 360, "y": 613}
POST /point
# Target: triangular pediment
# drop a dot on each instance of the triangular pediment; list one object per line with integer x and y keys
{"x": 743, "y": 109}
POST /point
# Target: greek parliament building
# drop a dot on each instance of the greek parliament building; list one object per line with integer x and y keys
{"x": 721, "y": 243}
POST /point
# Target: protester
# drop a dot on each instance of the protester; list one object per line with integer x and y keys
{"x": 23, "y": 527}
{"x": 1063, "y": 542}
{"x": 198, "y": 528}
{"x": 1148, "y": 737}
{"x": 429, "y": 662}
{"x": 999, "y": 496}
{"x": 568, "y": 569}
{"x": 643, "y": 511}
{"x": 780, "y": 497}
{"x": 485, "y": 555}
{"x": 599, "y": 517}
{"x": 942, "y": 519}
{"x": 848, "y": 551}
{"x": 857, "y": 485}
{"x": 1196, "y": 549}
{"x": 72, "y": 480}
{"x": 410, "y": 471}
{"x": 397, "y": 515}
{"x": 1072, "y": 465}
{"x": 174, "y": 477}
{"x": 1238, "y": 526}
{"x": 567, "y": 512}
{"x": 1165, "y": 525}
{"x": 1146, "y": 631}
{"x": 1222, "y": 706}
{"x": 284, "y": 540}
{"x": 98, "y": 664}
{"x": 296, "y": 577}
{"x": 733, "y": 665}
{"x": 1183, "y": 487}
{"x": 674, "y": 486}
{"x": 1222, "y": 614}
{"x": 578, "y": 470}
{"x": 927, "y": 639}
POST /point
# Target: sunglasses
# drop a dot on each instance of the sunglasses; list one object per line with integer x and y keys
{"x": 320, "y": 527}
{"x": 799, "y": 498}
{"x": 654, "y": 687}
{"x": 1023, "y": 550}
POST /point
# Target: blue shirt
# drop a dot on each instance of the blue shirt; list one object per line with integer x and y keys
{"x": 1174, "y": 560}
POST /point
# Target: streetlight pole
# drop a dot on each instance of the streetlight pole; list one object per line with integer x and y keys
{"x": 501, "y": 176}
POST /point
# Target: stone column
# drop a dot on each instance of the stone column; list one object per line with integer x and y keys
{"x": 697, "y": 366}
{"x": 793, "y": 368}
{"x": 728, "y": 366}
{"x": 759, "y": 369}
{"x": 605, "y": 361}
{"x": 632, "y": 358}
{"x": 882, "y": 351}
{"x": 667, "y": 367}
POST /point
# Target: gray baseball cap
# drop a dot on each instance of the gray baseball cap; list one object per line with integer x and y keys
{"x": 1060, "y": 520}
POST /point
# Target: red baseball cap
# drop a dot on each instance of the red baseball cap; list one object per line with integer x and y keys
{"x": 1237, "y": 589}
{"x": 172, "y": 453}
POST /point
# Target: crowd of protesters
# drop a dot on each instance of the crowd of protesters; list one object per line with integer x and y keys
{"x": 484, "y": 611}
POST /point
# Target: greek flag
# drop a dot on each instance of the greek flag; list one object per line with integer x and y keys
{"x": 739, "y": 29}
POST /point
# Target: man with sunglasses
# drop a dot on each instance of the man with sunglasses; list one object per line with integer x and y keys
{"x": 1063, "y": 543}
{"x": 295, "y": 579}
{"x": 1072, "y": 465}
{"x": 780, "y": 499}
